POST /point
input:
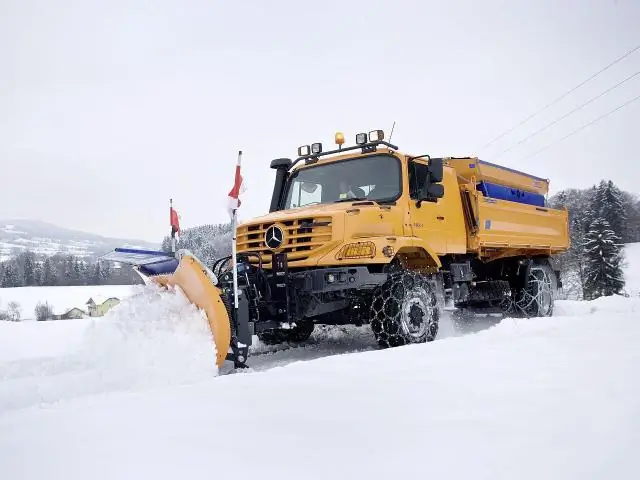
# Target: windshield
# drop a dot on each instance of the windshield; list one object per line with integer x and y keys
{"x": 375, "y": 177}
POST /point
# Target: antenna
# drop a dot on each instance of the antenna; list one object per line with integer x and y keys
{"x": 392, "y": 127}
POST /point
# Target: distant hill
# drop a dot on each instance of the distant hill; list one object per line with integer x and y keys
{"x": 47, "y": 239}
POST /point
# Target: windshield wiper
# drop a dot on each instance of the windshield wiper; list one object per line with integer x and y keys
{"x": 353, "y": 199}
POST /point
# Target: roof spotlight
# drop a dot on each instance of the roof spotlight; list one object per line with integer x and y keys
{"x": 376, "y": 135}
{"x": 316, "y": 148}
{"x": 303, "y": 151}
{"x": 361, "y": 138}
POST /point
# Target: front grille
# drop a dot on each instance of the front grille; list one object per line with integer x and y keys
{"x": 302, "y": 237}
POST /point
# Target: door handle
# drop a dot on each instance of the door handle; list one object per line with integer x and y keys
{"x": 440, "y": 218}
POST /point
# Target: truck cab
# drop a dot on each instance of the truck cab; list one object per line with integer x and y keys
{"x": 358, "y": 205}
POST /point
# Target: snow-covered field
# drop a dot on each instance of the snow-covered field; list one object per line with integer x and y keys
{"x": 135, "y": 394}
{"x": 61, "y": 299}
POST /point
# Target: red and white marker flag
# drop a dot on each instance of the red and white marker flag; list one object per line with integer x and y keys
{"x": 233, "y": 202}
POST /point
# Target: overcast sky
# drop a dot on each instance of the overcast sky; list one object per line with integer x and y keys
{"x": 109, "y": 108}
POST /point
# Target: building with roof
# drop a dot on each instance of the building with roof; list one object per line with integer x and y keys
{"x": 98, "y": 307}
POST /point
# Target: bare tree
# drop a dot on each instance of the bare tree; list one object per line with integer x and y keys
{"x": 43, "y": 311}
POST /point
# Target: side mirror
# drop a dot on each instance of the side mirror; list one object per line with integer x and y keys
{"x": 435, "y": 190}
{"x": 436, "y": 170}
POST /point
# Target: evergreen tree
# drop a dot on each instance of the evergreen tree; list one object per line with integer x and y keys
{"x": 603, "y": 259}
{"x": 105, "y": 272}
{"x": 608, "y": 204}
{"x": 69, "y": 274}
{"x": 77, "y": 271}
{"x": 49, "y": 276}
{"x": 631, "y": 204}
{"x": 85, "y": 273}
{"x": 39, "y": 273}
{"x": 96, "y": 276}
{"x": 11, "y": 276}
{"x": 29, "y": 269}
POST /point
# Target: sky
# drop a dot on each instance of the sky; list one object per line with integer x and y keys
{"x": 108, "y": 109}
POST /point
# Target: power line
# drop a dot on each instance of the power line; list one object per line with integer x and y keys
{"x": 563, "y": 95}
{"x": 571, "y": 112}
{"x": 585, "y": 126}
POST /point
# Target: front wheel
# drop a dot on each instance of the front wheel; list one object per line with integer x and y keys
{"x": 405, "y": 310}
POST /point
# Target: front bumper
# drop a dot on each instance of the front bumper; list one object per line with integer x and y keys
{"x": 335, "y": 279}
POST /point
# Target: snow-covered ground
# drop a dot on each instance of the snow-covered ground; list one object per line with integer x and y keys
{"x": 61, "y": 299}
{"x": 135, "y": 394}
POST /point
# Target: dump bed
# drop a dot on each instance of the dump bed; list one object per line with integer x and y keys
{"x": 506, "y": 209}
{"x": 507, "y": 225}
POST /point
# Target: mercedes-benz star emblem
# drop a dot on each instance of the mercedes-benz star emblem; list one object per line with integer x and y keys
{"x": 273, "y": 237}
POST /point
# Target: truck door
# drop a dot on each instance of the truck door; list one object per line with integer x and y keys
{"x": 428, "y": 220}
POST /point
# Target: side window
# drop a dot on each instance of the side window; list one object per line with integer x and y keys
{"x": 417, "y": 175}
{"x": 305, "y": 193}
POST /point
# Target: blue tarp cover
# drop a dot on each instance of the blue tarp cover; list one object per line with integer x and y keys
{"x": 501, "y": 192}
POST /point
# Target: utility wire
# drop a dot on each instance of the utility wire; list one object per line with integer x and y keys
{"x": 585, "y": 126}
{"x": 566, "y": 115}
{"x": 562, "y": 96}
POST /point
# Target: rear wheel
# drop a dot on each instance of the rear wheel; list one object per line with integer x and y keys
{"x": 405, "y": 310}
{"x": 536, "y": 299}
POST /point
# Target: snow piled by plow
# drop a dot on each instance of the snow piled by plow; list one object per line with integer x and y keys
{"x": 152, "y": 339}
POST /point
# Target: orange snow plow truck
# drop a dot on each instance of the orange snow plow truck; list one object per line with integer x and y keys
{"x": 366, "y": 234}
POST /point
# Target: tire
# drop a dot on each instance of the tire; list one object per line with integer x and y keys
{"x": 404, "y": 310}
{"x": 537, "y": 298}
{"x": 301, "y": 332}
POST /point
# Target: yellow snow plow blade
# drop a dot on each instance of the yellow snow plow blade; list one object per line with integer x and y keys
{"x": 191, "y": 277}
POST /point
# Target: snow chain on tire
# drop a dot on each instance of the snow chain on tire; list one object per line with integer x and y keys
{"x": 405, "y": 310}
{"x": 536, "y": 299}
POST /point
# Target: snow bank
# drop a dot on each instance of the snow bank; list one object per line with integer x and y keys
{"x": 527, "y": 399}
{"x": 153, "y": 339}
{"x": 61, "y": 299}
{"x": 615, "y": 304}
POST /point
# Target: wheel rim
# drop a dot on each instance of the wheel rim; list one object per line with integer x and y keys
{"x": 416, "y": 313}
